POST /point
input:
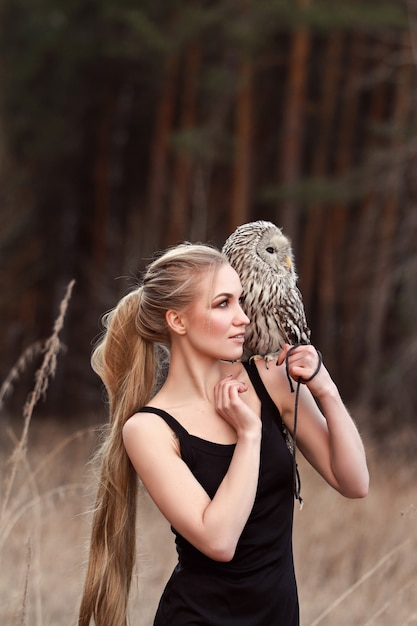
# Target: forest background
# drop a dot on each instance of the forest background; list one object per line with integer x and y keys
{"x": 127, "y": 127}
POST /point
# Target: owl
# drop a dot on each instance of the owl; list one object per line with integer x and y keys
{"x": 262, "y": 256}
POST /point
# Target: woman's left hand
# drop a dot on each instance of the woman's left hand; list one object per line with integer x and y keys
{"x": 305, "y": 363}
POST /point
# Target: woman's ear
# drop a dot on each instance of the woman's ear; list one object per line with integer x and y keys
{"x": 176, "y": 322}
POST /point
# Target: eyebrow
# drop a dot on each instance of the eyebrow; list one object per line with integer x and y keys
{"x": 224, "y": 294}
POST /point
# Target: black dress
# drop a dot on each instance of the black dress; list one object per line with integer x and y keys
{"x": 257, "y": 587}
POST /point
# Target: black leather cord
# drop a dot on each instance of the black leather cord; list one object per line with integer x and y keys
{"x": 300, "y": 381}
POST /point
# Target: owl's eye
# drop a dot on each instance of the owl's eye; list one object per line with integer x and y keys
{"x": 270, "y": 249}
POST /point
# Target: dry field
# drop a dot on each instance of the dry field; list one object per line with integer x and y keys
{"x": 355, "y": 560}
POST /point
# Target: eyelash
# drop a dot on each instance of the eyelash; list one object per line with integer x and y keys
{"x": 226, "y": 302}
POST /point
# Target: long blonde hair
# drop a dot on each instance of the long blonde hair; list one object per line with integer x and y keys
{"x": 126, "y": 359}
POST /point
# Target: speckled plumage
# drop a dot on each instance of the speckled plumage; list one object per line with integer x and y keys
{"x": 262, "y": 256}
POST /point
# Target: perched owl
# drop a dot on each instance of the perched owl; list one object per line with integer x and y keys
{"x": 262, "y": 256}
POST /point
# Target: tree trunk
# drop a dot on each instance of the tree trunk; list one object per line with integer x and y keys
{"x": 183, "y": 165}
{"x": 160, "y": 149}
{"x": 101, "y": 217}
{"x": 310, "y": 250}
{"x": 383, "y": 275}
{"x": 240, "y": 204}
{"x": 293, "y": 125}
{"x": 333, "y": 259}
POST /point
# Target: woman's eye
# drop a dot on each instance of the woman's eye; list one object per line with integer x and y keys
{"x": 223, "y": 303}
{"x": 241, "y": 300}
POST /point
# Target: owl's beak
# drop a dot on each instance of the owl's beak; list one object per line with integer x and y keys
{"x": 288, "y": 261}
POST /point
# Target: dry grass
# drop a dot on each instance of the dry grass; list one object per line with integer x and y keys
{"x": 355, "y": 560}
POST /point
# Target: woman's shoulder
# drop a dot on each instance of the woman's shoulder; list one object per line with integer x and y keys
{"x": 146, "y": 428}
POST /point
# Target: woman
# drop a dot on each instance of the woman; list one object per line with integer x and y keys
{"x": 209, "y": 446}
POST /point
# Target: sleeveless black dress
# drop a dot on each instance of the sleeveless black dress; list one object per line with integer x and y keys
{"x": 257, "y": 587}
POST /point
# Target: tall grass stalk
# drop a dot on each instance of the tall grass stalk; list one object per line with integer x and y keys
{"x": 28, "y": 506}
{"x": 13, "y": 514}
{"x": 47, "y": 370}
{"x": 412, "y": 618}
{"x": 371, "y": 572}
{"x": 32, "y": 351}
{"x": 22, "y": 612}
{"x": 10, "y": 512}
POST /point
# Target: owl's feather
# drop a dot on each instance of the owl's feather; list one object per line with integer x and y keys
{"x": 262, "y": 256}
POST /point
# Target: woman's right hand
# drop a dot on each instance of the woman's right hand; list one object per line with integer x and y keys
{"x": 231, "y": 407}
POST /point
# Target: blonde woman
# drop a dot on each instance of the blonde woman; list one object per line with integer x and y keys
{"x": 209, "y": 446}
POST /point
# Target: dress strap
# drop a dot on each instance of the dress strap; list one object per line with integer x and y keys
{"x": 179, "y": 430}
{"x": 261, "y": 390}
{"x": 167, "y": 417}
{"x": 264, "y": 397}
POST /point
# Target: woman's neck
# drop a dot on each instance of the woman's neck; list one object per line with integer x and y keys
{"x": 191, "y": 381}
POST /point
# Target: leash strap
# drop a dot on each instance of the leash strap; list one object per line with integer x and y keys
{"x": 300, "y": 381}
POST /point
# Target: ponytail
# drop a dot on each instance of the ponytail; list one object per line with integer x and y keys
{"x": 126, "y": 364}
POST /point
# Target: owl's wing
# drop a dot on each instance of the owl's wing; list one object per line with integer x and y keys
{"x": 293, "y": 318}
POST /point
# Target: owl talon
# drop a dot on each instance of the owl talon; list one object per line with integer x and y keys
{"x": 272, "y": 356}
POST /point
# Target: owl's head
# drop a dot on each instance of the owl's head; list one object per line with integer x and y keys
{"x": 263, "y": 244}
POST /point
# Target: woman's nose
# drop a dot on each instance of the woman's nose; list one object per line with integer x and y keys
{"x": 243, "y": 317}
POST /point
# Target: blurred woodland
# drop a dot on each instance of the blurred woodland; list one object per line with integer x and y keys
{"x": 127, "y": 127}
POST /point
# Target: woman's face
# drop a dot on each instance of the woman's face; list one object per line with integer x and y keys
{"x": 215, "y": 321}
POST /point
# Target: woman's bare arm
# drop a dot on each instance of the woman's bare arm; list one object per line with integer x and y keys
{"x": 327, "y": 436}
